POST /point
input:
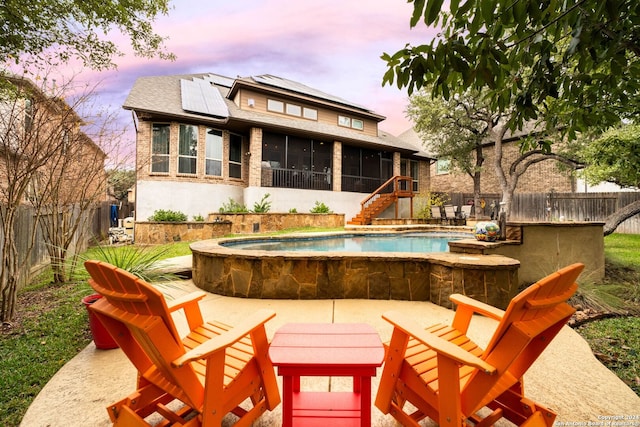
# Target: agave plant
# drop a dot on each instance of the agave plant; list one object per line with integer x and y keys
{"x": 143, "y": 262}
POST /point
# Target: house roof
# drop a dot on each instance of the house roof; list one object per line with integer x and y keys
{"x": 207, "y": 99}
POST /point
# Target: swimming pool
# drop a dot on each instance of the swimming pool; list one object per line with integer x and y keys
{"x": 260, "y": 267}
{"x": 392, "y": 242}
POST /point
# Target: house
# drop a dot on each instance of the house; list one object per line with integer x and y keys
{"x": 545, "y": 176}
{"x": 52, "y": 180}
{"x": 43, "y": 150}
{"x": 204, "y": 139}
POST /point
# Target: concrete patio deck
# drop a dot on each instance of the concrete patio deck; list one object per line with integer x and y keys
{"x": 567, "y": 377}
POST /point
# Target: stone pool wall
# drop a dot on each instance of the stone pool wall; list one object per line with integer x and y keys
{"x": 492, "y": 279}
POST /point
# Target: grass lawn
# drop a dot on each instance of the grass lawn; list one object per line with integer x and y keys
{"x": 52, "y": 327}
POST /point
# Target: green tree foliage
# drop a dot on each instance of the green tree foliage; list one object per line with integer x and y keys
{"x": 453, "y": 129}
{"x": 572, "y": 63}
{"x": 614, "y": 157}
{"x": 79, "y": 29}
{"x": 120, "y": 181}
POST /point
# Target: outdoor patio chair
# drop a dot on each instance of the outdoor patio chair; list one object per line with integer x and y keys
{"x": 450, "y": 212}
{"x": 441, "y": 374}
{"x": 196, "y": 380}
{"x": 466, "y": 211}
{"x": 435, "y": 212}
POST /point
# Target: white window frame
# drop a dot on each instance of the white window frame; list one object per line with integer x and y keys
{"x": 275, "y": 106}
{"x": 294, "y": 110}
{"x": 344, "y": 121}
{"x": 310, "y": 113}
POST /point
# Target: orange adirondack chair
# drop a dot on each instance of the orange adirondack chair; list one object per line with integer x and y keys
{"x": 207, "y": 374}
{"x": 445, "y": 376}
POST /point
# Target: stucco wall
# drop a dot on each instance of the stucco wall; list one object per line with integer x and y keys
{"x": 543, "y": 248}
{"x": 192, "y": 198}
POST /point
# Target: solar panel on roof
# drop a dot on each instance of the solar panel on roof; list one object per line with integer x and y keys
{"x": 220, "y": 80}
{"x": 281, "y": 83}
{"x": 199, "y": 96}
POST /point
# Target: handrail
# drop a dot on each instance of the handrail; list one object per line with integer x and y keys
{"x": 396, "y": 180}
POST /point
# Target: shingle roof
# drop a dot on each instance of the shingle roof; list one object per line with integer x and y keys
{"x": 162, "y": 96}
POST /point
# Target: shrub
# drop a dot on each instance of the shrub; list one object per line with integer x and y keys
{"x": 320, "y": 208}
{"x": 424, "y": 203}
{"x": 233, "y": 207}
{"x": 293, "y": 210}
{"x": 263, "y": 206}
{"x": 141, "y": 261}
{"x": 162, "y": 215}
{"x": 198, "y": 218}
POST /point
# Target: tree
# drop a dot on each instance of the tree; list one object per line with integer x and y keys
{"x": 37, "y": 32}
{"x": 465, "y": 125}
{"x": 452, "y": 131}
{"x": 615, "y": 157}
{"x": 52, "y": 167}
{"x": 573, "y": 64}
{"x": 120, "y": 182}
{"x": 31, "y": 131}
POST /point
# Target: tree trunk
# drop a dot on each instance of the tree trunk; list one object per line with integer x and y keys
{"x": 618, "y": 217}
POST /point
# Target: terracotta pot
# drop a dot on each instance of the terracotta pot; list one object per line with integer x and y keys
{"x": 101, "y": 336}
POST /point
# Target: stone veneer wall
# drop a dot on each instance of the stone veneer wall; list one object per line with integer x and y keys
{"x": 219, "y": 225}
{"x": 414, "y": 277}
{"x": 153, "y": 233}
{"x": 268, "y": 222}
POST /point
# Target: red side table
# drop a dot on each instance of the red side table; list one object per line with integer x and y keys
{"x": 326, "y": 349}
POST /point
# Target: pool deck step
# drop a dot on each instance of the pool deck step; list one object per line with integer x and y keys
{"x": 180, "y": 266}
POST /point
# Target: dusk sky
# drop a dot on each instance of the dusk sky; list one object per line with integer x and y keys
{"x": 333, "y": 45}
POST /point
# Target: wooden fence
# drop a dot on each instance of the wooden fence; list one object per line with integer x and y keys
{"x": 561, "y": 206}
{"x": 97, "y": 228}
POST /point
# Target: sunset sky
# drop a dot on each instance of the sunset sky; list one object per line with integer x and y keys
{"x": 333, "y": 45}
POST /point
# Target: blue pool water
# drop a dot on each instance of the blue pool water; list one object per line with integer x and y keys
{"x": 409, "y": 242}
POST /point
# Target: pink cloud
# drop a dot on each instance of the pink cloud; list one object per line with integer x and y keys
{"x": 334, "y": 46}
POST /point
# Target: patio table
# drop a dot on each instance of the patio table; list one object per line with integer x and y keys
{"x": 326, "y": 349}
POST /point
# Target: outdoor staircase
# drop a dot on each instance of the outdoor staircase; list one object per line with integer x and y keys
{"x": 386, "y": 195}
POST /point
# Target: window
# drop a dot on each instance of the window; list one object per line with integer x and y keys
{"x": 310, "y": 113}
{"x": 411, "y": 168}
{"x": 443, "y": 166}
{"x": 276, "y": 106}
{"x": 235, "y": 156}
{"x": 294, "y": 110}
{"x": 188, "y": 149}
{"x": 350, "y": 122}
{"x": 344, "y": 121}
{"x": 357, "y": 124}
{"x": 28, "y": 115}
{"x": 213, "y": 153}
{"x": 160, "y": 148}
